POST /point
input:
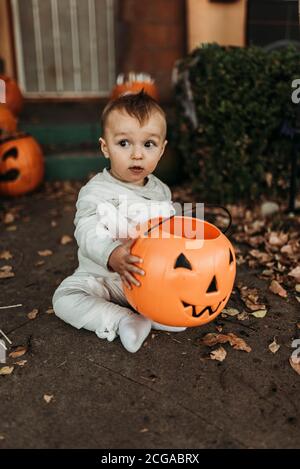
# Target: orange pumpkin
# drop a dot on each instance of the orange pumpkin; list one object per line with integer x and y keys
{"x": 189, "y": 269}
{"x": 21, "y": 165}
{"x": 14, "y": 97}
{"x": 8, "y": 122}
{"x": 134, "y": 83}
{"x": 135, "y": 87}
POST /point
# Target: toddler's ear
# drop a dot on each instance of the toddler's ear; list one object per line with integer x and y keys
{"x": 103, "y": 147}
{"x": 163, "y": 148}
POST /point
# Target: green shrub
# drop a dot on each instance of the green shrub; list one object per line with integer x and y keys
{"x": 241, "y": 98}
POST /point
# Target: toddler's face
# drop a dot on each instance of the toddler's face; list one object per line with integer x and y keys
{"x": 133, "y": 150}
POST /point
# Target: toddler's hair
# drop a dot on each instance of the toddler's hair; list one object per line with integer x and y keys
{"x": 139, "y": 105}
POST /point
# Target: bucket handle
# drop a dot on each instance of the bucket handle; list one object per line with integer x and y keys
{"x": 193, "y": 213}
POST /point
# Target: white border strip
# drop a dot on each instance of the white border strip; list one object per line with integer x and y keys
{"x": 38, "y": 45}
{"x": 93, "y": 46}
{"x": 75, "y": 46}
{"x": 19, "y": 47}
{"x": 110, "y": 42}
{"x": 57, "y": 46}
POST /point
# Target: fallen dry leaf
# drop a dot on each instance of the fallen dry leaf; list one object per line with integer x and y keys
{"x": 218, "y": 354}
{"x": 276, "y": 288}
{"x": 6, "y": 268}
{"x": 50, "y": 311}
{"x": 66, "y": 240}
{"x": 267, "y": 273}
{"x": 11, "y": 228}
{"x": 254, "y": 306}
{"x": 20, "y": 362}
{"x": 250, "y": 297}
{"x": 48, "y": 398}
{"x": 256, "y": 241}
{"x": 287, "y": 249}
{"x": 243, "y": 316}
{"x": 6, "y": 370}
{"x": 274, "y": 347}
{"x": 230, "y": 311}
{"x": 6, "y": 272}
{"x": 53, "y": 223}
{"x": 144, "y": 430}
{"x": 254, "y": 227}
{"x": 260, "y": 313}
{"x": 6, "y": 255}
{"x": 2, "y": 437}
{"x": 298, "y": 298}
{"x": 240, "y": 260}
{"x": 33, "y": 314}
{"x": 18, "y": 352}
{"x": 278, "y": 239}
{"x": 269, "y": 179}
{"x": 237, "y": 343}
{"x": 8, "y": 218}
{"x": 295, "y": 365}
{"x": 297, "y": 288}
{"x": 295, "y": 273}
{"x": 39, "y": 263}
{"x": 263, "y": 257}
{"x": 268, "y": 208}
{"x": 45, "y": 253}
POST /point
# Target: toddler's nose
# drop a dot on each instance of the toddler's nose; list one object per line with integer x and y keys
{"x": 137, "y": 154}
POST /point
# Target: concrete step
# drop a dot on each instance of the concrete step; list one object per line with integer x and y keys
{"x": 63, "y": 134}
{"x": 73, "y": 165}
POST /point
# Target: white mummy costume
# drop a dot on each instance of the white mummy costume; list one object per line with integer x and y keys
{"x": 93, "y": 298}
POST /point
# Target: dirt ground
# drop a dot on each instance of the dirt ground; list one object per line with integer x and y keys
{"x": 170, "y": 394}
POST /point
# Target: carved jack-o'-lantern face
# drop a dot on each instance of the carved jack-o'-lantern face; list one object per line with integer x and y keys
{"x": 188, "y": 281}
{"x": 21, "y": 165}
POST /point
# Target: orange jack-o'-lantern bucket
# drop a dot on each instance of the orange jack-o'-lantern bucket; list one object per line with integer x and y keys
{"x": 21, "y": 165}
{"x": 189, "y": 269}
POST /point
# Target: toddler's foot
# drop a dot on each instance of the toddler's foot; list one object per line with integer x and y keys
{"x": 162, "y": 327}
{"x": 133, "y": 330}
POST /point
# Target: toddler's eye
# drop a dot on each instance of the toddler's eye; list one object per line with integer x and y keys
{"x": 123, "y": 143}
{"x": 150, "y": 144}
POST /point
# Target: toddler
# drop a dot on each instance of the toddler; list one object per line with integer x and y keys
{"x": 134, "y": 139}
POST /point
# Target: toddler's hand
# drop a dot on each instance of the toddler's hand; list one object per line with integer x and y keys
{"x": 122, "y": 261}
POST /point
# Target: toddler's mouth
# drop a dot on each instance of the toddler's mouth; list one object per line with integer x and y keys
{"x": 136, "y": 169}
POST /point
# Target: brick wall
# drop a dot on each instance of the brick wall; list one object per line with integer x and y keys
{"x": 151, "y": 36}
